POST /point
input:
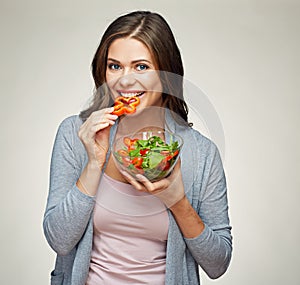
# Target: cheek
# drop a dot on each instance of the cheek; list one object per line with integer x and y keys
{"x": 157, "y": 86}
{"x": 110, "y": 79}
{"x": 151, "y": 81}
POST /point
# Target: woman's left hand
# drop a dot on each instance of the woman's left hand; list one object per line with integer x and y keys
{"x": 169, "y": 190}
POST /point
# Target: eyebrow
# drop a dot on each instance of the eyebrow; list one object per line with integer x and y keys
{"x": 134, "y": 61}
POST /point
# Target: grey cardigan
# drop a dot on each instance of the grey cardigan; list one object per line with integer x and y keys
{"x": 68, "y": 224}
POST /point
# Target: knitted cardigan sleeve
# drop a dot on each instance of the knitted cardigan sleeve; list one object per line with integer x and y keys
{"x": 213, "y": 247}
{"x": 68, "y": 210}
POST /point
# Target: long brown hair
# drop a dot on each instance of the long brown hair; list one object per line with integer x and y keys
{"x": 152, "y": 30}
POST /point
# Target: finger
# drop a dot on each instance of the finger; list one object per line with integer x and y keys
{"x": 104, "y": 111}
{"x": 105, "y": 118}
{"x": 102, "y": 114}
{"x": 111, "y": 117}
{"x": 98, "y": 127}
{"x": 147, "y": 183}
{"x": 154, "y": 187}
{"x": 110, "y": 122}
{"x": 109, "y": 110}
{"x": 162, "y": 184}
{"x": 138, "y": 186}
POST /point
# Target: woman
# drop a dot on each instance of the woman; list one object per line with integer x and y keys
{"x": 97, "y": 239}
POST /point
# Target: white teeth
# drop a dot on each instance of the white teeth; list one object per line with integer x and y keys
{"x": 130, "y": 94}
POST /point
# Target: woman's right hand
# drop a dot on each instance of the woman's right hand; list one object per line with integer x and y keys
{"x": 94, "y": 134}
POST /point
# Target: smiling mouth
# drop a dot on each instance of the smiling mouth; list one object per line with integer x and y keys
{"x": 128, "y": 94}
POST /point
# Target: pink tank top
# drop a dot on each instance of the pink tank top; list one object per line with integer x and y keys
{"x": 130, "y": 236}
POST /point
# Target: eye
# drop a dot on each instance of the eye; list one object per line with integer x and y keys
{"x": 114, "y": 66}
{"x": 142, "y": 67}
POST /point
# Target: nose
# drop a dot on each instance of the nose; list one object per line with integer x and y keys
{"x": 127, "y": 79}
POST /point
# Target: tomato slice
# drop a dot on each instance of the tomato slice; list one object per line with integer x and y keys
{"x": 167, "y": 166}
{"x": 168, "y": 155}
{"x": 127, "y": 141}
{"x": 131, "y": 147}
{"x": 144, "y": 151}
{"x": 137, "y": 161}
{"x": 133, "y": 141}
{"x": 164, "y": 164}
{"x": 138, "y": 170}
{"x": 126, "y": 161}
{"x": 130, "y": 143}
{"x": 122, "y": 152}
{"x": 165, "y": 152}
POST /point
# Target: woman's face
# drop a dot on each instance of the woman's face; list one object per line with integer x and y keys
{"x": 131, "y": 71}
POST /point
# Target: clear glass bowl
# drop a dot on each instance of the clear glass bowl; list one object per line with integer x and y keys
{"x": 150, "y": 153}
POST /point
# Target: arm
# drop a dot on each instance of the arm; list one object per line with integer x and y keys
{"x": 73, "y": 185}
{"x": 208, "y": 233}
{"x": 187, "y": 219}
{"x": 68, "y": 210}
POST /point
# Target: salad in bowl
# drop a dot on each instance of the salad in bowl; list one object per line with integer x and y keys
{"x": 150, "y": 153}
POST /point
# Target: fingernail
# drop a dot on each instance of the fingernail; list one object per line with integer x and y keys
{"x": 140, "y": 177}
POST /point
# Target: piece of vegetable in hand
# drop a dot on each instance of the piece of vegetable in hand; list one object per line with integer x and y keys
{"x": 124, "y": 105}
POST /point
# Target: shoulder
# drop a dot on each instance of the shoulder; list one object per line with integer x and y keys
{"x": 67, "y": 132}
{"x": 200, "y": 142}
{"x": 70, "y": 123}
{"x": 202, "y": 152}
{"x": 67, "y": 143}
{"x": 200, "y": 137}
{"x": 68, "y": 127}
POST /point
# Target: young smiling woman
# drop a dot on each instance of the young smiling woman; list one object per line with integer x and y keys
{"x": 135, "y": 244}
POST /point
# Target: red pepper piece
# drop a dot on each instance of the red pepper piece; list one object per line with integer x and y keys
{"x": 144, "y": 151}
{"x": 137, "y": 162}
{"x": 124, "y": 105}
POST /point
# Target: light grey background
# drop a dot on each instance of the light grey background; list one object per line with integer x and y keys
{"x": 244, "y": 55}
